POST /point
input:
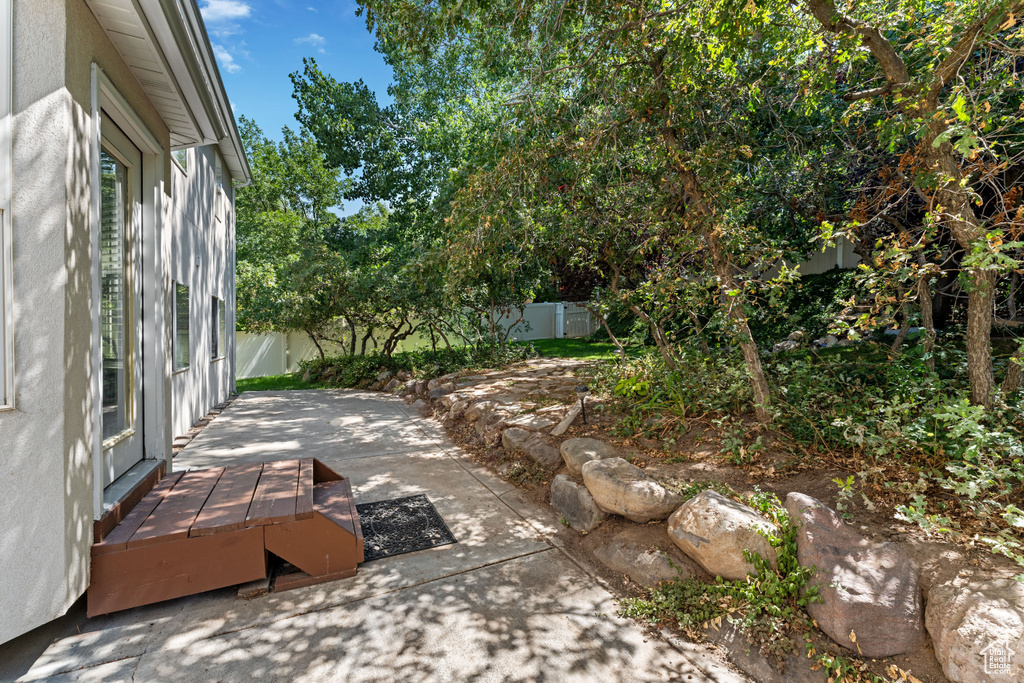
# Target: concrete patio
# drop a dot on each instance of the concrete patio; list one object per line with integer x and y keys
{"x": 504, "y": 603}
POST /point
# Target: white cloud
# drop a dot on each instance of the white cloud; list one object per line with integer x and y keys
{"x": 225, "y": 10}
{"x": 314, "y": 39}
{"x": 227, "y": 61}
{"x": 311, "y": 9}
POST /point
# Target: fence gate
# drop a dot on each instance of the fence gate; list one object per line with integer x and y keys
{"x": 578, "y": 321}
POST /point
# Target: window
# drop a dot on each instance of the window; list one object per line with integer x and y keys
{"x": 218, "y": 169}
{"x": 6, "y": 251}
{"x": 181, "y": 156}
{"x": 180, "y": 339}
{"x": 217, "y": 330}
{"x": 114, "y": 201}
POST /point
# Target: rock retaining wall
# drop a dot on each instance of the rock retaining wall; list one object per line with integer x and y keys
{"x": 871, "y": 601}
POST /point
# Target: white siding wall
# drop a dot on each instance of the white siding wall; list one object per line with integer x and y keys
{"x": 203, "y": 258}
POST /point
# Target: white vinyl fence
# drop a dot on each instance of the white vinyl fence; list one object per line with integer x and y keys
{"x": 262, "y": 355}
{"x": 548, "y": 321}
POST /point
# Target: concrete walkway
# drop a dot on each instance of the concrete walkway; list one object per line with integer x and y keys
{"x": 505, "y": 603}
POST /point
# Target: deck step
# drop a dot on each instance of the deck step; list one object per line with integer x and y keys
{"x": 329, "y": 543}
{"x": 334, "y": 500}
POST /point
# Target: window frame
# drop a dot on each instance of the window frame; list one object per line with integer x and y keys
{"x": 218, "y": 334}
{"x": 6, "y": 232}
{"x": 183, "y": 165}
{"x": 175, "y": 367}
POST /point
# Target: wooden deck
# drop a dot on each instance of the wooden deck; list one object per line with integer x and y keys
{"x": 206, "y": 529}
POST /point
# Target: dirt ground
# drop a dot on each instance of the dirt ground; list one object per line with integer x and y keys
{"x": 703, "y": 454}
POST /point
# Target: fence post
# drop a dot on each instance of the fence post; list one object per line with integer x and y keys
{"x": 559, "y": 320}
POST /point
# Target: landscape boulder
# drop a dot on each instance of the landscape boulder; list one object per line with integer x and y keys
{"x": 575, "y": 503}
{"x": 459, "y": 408}
{"x": 866, "y": 588}
{"x": 977, "y": 628}
{"x": 624, "y": 489}
{"x": 478, "y": 410}
{"x": 714, "y": 531}
{"x": 438, "y": 392}
{"x": 393, "y": 386}
{"x": 531, "y": 421}
{"x": 530, "y": 444}
{"x": 448, "y": 400}
{"x": 643, "y": 564}
{"x": 578, "y": 452}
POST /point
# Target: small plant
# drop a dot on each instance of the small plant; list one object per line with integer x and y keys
{"x": 523, "y": 473}
{"x": 844, "y": 498}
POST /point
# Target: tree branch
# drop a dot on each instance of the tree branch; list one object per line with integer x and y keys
{"x": 833, "y": 20}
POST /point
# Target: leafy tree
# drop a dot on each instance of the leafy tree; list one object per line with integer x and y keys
{"x": 948, "y": 77}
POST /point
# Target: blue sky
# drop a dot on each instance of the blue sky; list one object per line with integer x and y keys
{"x": 259, "y": 42}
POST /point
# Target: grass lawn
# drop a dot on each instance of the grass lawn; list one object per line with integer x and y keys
{"x": 581, "y": 348}
{"x": 292, "y": 380}
{"x": 549, "y": 348}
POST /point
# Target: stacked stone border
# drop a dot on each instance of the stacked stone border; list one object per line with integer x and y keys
{"x": 871, "y": 604}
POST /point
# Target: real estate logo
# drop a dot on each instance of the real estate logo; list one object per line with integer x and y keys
{"x": 998, "y": 657}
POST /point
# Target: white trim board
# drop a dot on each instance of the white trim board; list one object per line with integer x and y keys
{"x": 6, "y": 232}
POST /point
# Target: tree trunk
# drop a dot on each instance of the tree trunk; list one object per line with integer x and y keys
{"x": 352, "y": 329}
{"x": 659, "y": 336}
{"x": 701, "y": 216}
{"x": 492, "y": 320}
{"x": 1014, "y": 371}
{"x": 319, "y": 348}
{"x": 979, "y": 337}
{"x": 901, "y": 336}
{"x": 696, "y": 326}
{"x": 924, "y": 298}
{"x": 618, "y": 344}
{"x": 733, "y": 306}
{"x": 1011, "y": 301}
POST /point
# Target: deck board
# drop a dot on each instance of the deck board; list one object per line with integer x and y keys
{"x": 173, "y": 518}
{"x": 274, "y": 500}
{"x": 304, "y": 493}
{"x": 228, "y": 504}
{"x": 118, "y": 538}
{"x": 333, "y": 499}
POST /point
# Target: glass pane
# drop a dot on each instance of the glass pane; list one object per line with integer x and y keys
{"x": 214, "y": 334}
{"x": 181, "y": 355}
{"x": 113, "y": 295}
{"x": 222, "y": 331}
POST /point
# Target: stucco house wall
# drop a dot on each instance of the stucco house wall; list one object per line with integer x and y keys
{"x": 49, "y": 499}
{"x": 203, "y": 241}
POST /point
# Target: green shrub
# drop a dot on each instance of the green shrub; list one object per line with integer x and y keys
{"x": 890, "y": 414}
{"x": 350, "y": 371}
{"x": 810, "y": 304}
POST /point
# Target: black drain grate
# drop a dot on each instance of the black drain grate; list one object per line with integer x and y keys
{"x": 402, "y": 525}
